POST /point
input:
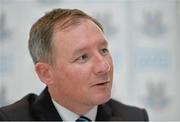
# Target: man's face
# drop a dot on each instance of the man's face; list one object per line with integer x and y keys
{"x": 83, "y": 68}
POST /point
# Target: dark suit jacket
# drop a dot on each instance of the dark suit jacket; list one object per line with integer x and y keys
{"x": 33, "y": 107}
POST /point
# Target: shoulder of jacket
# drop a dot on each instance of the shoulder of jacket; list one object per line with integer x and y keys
{"x": 19, "y": 108}
{"x": 24, "y": 102}
{"x": 116, "y": 104}
{"x": 128, "y": 112}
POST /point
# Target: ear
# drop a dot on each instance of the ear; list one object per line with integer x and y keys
{"x": 44, "y": 71}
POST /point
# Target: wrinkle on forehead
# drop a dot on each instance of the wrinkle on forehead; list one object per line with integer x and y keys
{"x": 68, "y": 24}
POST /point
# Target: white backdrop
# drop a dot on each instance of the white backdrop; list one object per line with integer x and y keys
{"x": 144, "y": 40}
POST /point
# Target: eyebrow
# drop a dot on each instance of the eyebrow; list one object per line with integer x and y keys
{"x": 78, "y": 51}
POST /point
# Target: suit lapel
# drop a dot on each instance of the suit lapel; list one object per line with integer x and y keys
{"x": 105, "y": 113}
{"x": 44, "y": 109}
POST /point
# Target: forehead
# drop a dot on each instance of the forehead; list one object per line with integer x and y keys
{"x": 67, "y": 24}
{"x": 82, "y": 35}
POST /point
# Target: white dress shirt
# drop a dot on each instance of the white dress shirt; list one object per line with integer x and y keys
{"x": 67, "y": 115}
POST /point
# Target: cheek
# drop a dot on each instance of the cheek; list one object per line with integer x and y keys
{"x": 76, "y": 72}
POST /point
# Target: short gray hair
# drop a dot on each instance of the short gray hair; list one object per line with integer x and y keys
{"x": 40, "y": 40}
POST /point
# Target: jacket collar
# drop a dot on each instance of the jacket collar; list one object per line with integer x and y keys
{"x": 105, "y": 113}
{"x": 44, "y": 109}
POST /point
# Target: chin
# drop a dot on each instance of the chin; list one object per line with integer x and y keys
{"x": 101, "y": 99}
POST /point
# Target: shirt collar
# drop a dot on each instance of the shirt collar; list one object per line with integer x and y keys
{"x": 67, "y": 115}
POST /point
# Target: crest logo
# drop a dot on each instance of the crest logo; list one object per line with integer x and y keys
{"x": 106, "y": 19}
{"x": 157, "y": 95}
{"x": 4, "y": 31}
{"x": 153, "y": 24}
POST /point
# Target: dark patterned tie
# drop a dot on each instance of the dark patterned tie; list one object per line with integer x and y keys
{"x": 83, "y": 119}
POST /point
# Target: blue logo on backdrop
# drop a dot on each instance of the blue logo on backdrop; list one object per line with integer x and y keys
{"x": 156, "y": 96}
{"x": 7, "y": 64}
{"x": 152, "y": 59}
{"x": 106, "y": 19}
{"x": 153, "y": 24}
{"x": 4, "y": 32}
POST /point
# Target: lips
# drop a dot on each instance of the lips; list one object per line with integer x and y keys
{"x": 101, "y": 83}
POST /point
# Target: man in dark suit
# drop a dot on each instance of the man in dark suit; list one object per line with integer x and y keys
{"x": 33, "y": 108}
{"x": 71, "y": 57}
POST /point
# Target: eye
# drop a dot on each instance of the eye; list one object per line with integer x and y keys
{"x": 82, "y": 59}
{"x": 104, "y": 51}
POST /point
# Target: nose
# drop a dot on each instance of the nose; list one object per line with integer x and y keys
{"x": 102, "y": 65}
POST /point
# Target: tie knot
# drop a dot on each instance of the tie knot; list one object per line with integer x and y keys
{"x": 83, "y": 119}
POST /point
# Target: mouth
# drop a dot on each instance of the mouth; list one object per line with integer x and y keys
{"x": 102, "y": 83}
